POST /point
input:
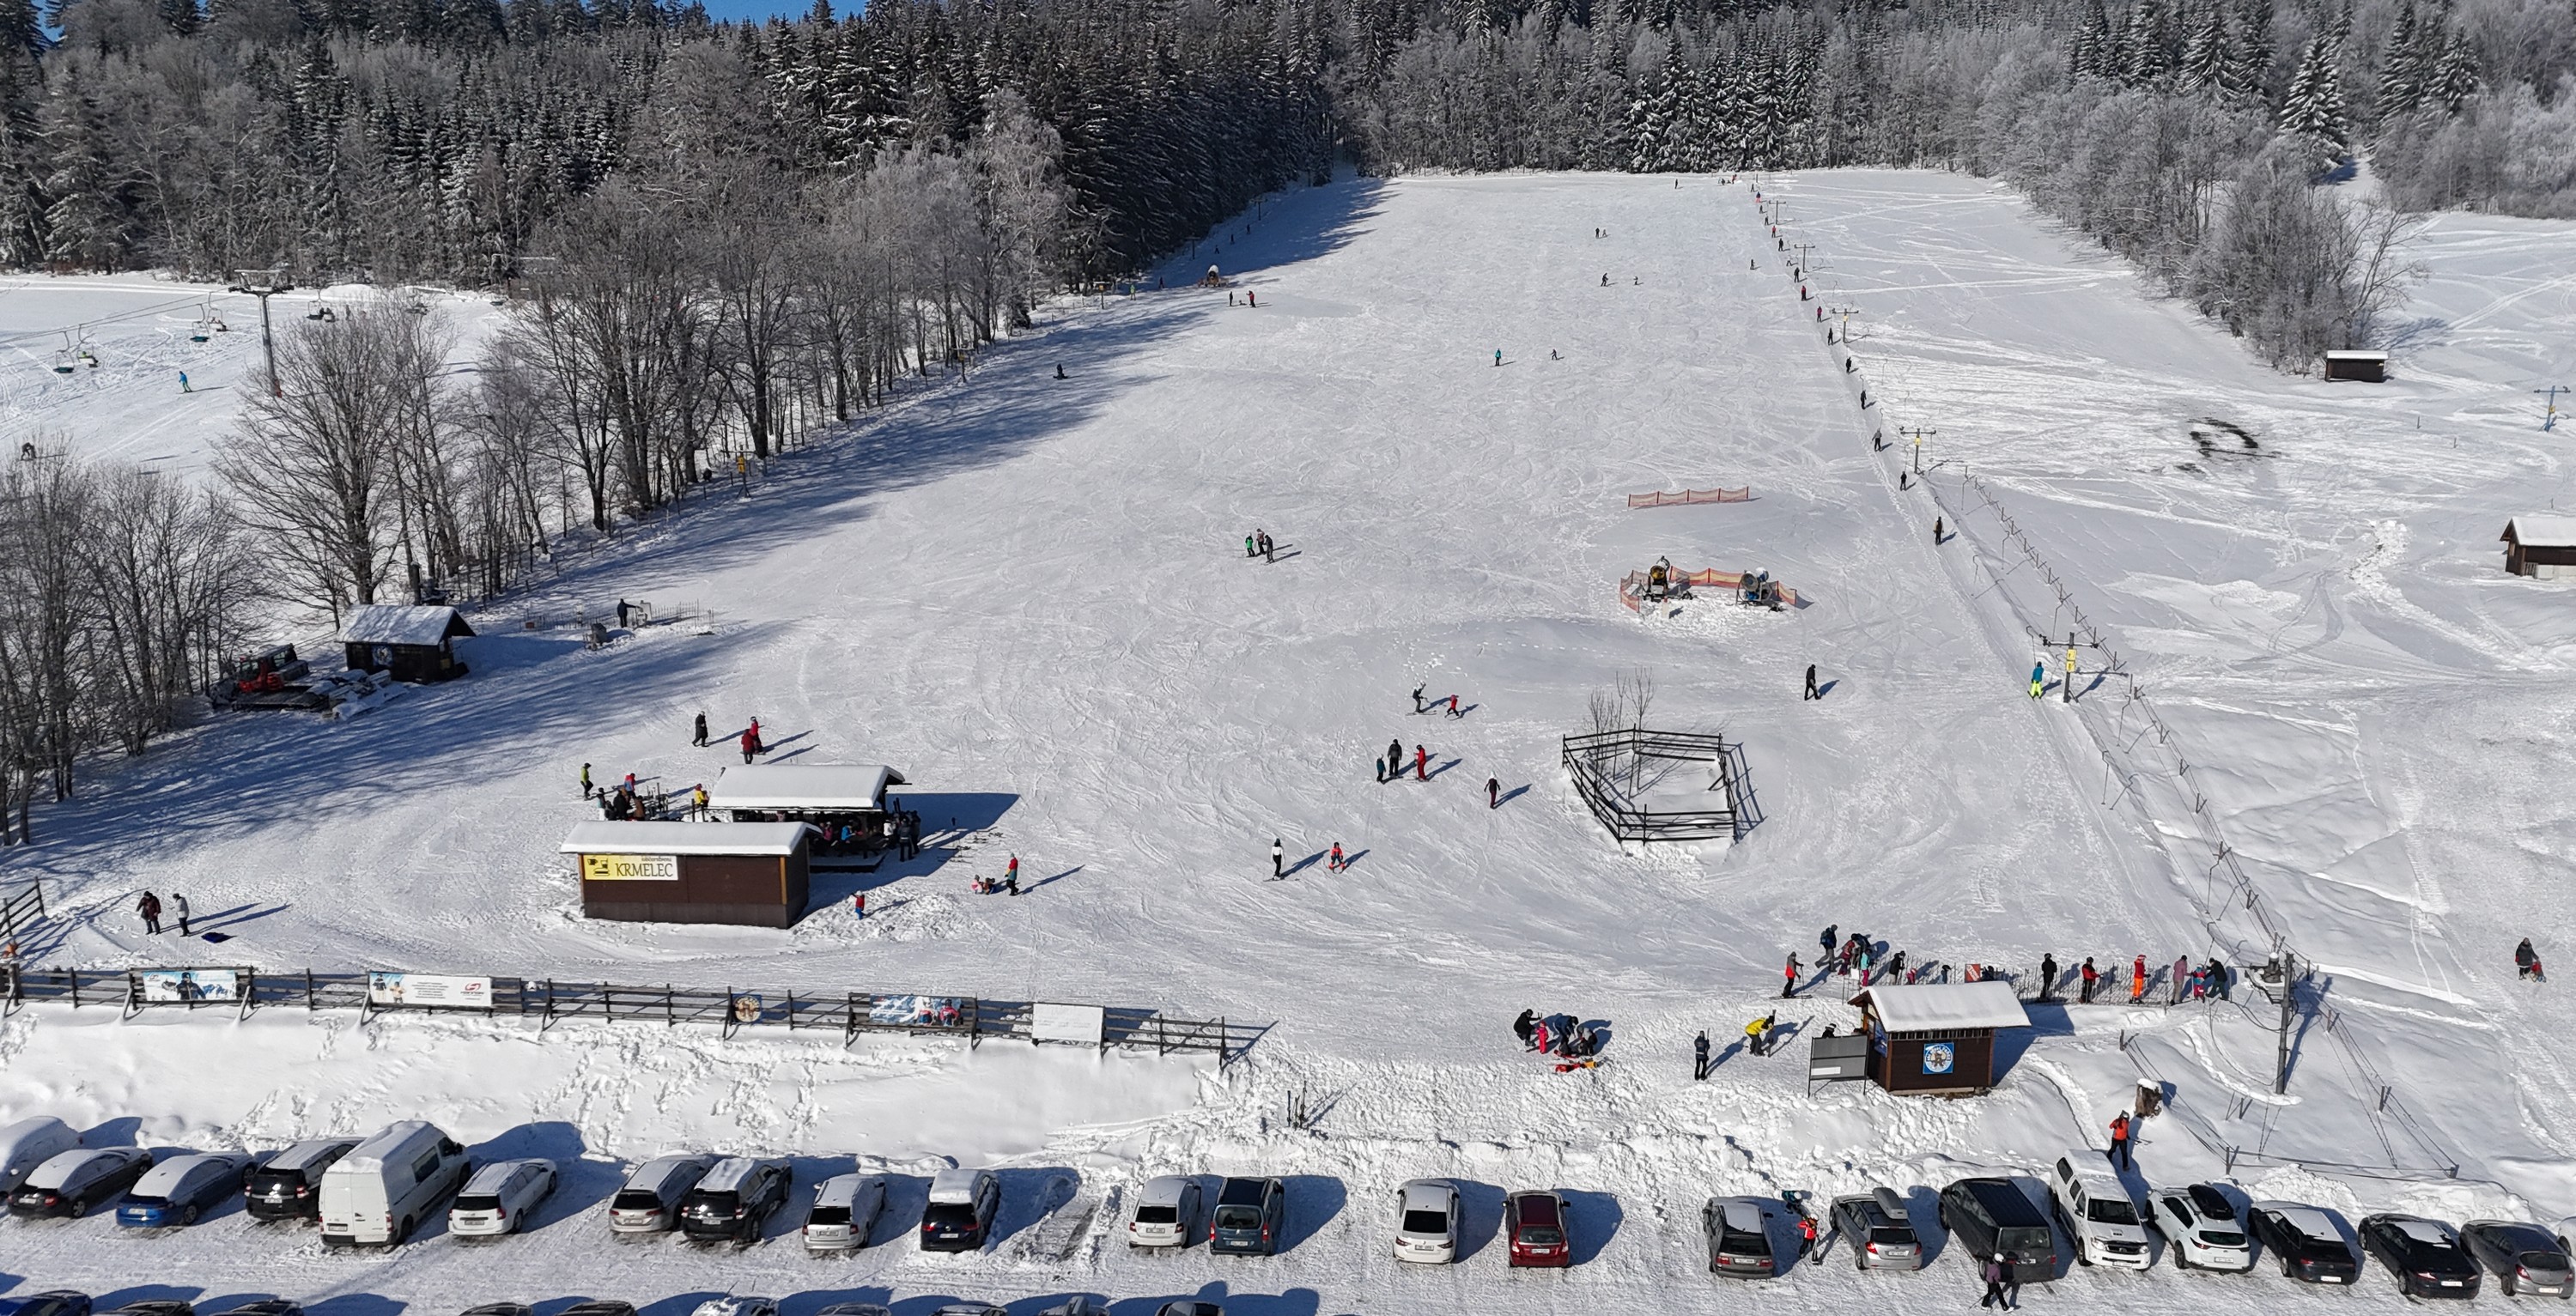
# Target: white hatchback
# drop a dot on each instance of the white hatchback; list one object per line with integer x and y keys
{"x": 500, "y": 1197}
{"x": 1166, "y": 1212}
{"x": 844, "y": 1212}
{"x": 1426, "y": 1229}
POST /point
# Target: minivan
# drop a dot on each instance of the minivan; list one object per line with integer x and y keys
{"x": 387, "y": 1185}
{"x": 844, "y": 1212}
{"x": 1989, "y": 1216}
{"x": 180, "y": 1189}
{"x": 962, "y": 1206}
{"x": 288, "y": 1186}
{"x": 650, "y": 1201}
{"x": 30, "y": 1143}
{"x": 1250, "y": 1216}
{"x": 736, "y": 1198}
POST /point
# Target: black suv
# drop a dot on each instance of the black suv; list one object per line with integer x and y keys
{"x": 1988, "y": 1216}
{"x": 289, "y": 1186}
{"x": 2305, "y": 1241}
{"x": 2424, "y": 1255}
{"x": 735, "y": 1198}
{"x": 1250, "y": 1215}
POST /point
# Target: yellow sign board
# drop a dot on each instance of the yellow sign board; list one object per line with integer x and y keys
{"x": 630, "y": 868}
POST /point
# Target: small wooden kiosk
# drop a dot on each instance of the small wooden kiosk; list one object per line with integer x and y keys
{"x": 753, "y": 874}
{"x": 2540, "y": 546}
{"x": 405, "y": 643}
{"x": 1937, "y": 1039}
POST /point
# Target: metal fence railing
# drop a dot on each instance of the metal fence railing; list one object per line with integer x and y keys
{"x": 240, "y": 990}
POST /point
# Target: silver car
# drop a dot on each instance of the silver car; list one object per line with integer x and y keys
{"x": 1881, "y": 1236}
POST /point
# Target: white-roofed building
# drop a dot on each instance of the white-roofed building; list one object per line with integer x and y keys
{"x": 674, "y": 872}
{"x": 846, "y": 803}
{"x": 405, "y": 643}
{"x": 2543, "y": 547}
{"x": 1937, "y": 1038}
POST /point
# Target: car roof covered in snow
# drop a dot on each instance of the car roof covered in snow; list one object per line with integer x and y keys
{"x": 803, "y": 786}
{"x": 954, "y": 1187}
{"x": 2422, "y": 1230}
{"x": 1428, "y": 1194}
{"x": 299, "y": 1155}
{"x": 2308, "y": 1220}
{"x": 2542, "y": 531}
{"x": 1165, "y": 1190}
{"x": 394, "y": 623}
{"x": 660, "y": 1170}
{"x": 1742, "y": 1213}
{"x": 684, "y": 838}
{"x": 727, "y": 1175}
{"x": 161, "y": 1179}
{"x": 1934, "y": 1007}
{"x": 843, "y": 1189}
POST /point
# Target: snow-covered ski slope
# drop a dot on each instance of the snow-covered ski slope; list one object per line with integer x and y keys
{"x": 1030, "y": 596}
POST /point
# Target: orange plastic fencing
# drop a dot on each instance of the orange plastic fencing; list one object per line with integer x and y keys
{"x": 1633, "y": 585}
{"x": 1688, "y": 496}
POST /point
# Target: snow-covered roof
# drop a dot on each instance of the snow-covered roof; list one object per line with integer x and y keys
{"x": 2308, "y": 1220}
{"x": 2356, "y": 354}
{"x": 394, "y": 623}
{"x": 1942, "y": 1007}
{"x": 803, "y": 786}
{"x": 683, "y": 838}
{"x": 2542, "y": 531}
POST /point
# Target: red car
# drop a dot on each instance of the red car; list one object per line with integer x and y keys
{"x": 1537, "y": 1224}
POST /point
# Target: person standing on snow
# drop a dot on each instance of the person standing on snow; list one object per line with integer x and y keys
{"x": 1498, "y": 356}
{"x": 1453, "y": 707}
{"x": 2121, "y": 1154}
{"x": 179, "y": 906}
{"x": 1394, "y": 758}
{"x": 750, "y": 746}
{"x": 1524, "y": 1026}
{"x": 1896, "y": 967}
{"x": 1825, "y": 942}
{"x": 585, "y": 781}
{"x": 1417, "y": 697}
{"x": 1381, "y": 771}
{"x": 150, "y": 908}
{"x": 2038, "y": 678}
{"x": 1011, "y": 875}
{"x": 1334, "y": 864}
{"x": 1993, "y": 1272}
{"x": 698, "y": 736}
{"x": 1278, "y": 859}
{"x": 2138, "y": 981}
{"x": 1789, "y": 976}
{"x": 2526, "y": 961}
{"x": 1936, "y": 530}
{"x": 2092, "y": 978}
{"x": 2182, "y": 970}
{"x": 1699, "y": 1057}
{"x": 1811, "y": 691}
{"x": 1493, "y": 792}
{"x": 859, "y": 904}
{"x": 1250, "y": 549}
{"x": 1421, "y": 764}
{"x": 2047, "y": 976}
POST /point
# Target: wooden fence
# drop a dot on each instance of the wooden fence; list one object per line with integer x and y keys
{"x": 237, "y": 991}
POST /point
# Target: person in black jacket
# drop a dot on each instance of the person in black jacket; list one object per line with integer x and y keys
{"x": 2526, "y": 961}
{"x": 1525, "y": 1026}
{"x": 2047, "y": 975}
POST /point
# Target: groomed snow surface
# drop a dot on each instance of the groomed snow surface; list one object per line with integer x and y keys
{"x": 1029, "y": 596}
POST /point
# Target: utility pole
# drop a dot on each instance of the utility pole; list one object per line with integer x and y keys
{"x": 2066, "y": 691}
{"x": 2278, "y": 978}
{"x": 1917, "y": 432}
{"x": 1802, "y": 248}
{"x": 2550, "y": 422}
{"x": 264, "y": 284}
{"x": 1844, "y": 313}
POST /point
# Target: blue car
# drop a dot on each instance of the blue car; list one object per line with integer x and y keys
{"x": 182, "y": 1188}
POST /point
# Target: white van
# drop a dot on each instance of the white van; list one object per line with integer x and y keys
{"x": 30, "y": 1143}
{"x": 387, "y": 1185}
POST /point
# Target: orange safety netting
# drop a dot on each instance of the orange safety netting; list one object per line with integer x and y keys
{"x": 1687, "y": 496}
{"x": 1633, "y": 585}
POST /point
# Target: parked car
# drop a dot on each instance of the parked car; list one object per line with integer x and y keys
{"x": 1189, "y": 1307}
{"x": 51, "y": 1302}
{"x": 1988, "y": 1216}
{"x": 649, "y": 1203}
{"x": 30, "y": 1143}
{"x": 2423, "y": 1255}
{"x": 1077, "y": 1305}
{"x": 2523, "y": 1258}
{"x": 853, "y": 1309}
{"x": 1426, "y": 1222}
{"x": 736, "y": 1198}
{"x": 599, "y": 1307}
{"x": 1167, "y": 1212}
{"x": 2567, "y": 1235}
{"x": 499, "y": 1309}
{"x": 71, "y": 1183}
{"x": 181, "y": 1189}
{"x": 288, "y": 1186}
{"x": 737, "y": 1306}
{"x": 1249, "y": 1218}
{"x": 156, "y": 1307}
{"x": 1540, "y": 1229}
{"x": 962, "y": 1206}
{"x": 265, "y": 1307}
{"x": 1881, "y": 1236}
{"x": 844, "y": 1212}
{"x": 2304, "y": 1240}
{"x": 970, "y": 1309}
{"x": 2200, "y": 1228}
{"x": 2098, "y": 1214}
{"x": 388, "y": 1184}
{"x": 500, "y": 1197}
{"x": 1738, "y": 1241}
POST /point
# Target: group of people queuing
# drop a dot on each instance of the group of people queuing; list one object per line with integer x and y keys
{"x": 625, "y": 801}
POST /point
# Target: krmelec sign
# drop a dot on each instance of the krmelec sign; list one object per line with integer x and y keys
{"x": 630, "y": 868}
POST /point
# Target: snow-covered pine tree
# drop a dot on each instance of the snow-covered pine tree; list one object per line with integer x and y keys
{"x": 2206, "y": 53}
{"x": 2401, "y": 68}
{"x": 2314, "y": 110}
{"x": 2455, "y": 76}
{"x": 2143, "y": 48}
{"x": 2250, "y": 68}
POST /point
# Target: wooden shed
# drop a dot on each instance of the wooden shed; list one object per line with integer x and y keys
{"x": 2540, "y": 546}
{"x": 2360, "y": 366}
{"x": 1937, "y": 1038}
{"x": 753, "y": 874}
{"x": 846, "y": 802}
{"x": 405, "y": 643}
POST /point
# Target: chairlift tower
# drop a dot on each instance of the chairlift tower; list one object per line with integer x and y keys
{"x": 264, "y": 284}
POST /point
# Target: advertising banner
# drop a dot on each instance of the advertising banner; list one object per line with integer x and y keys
{"x": 630, "y": 868}
{"x": 438, "y": 991}
{"x": 187, "y": 986}
{"x": 1086, "y": 1024}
